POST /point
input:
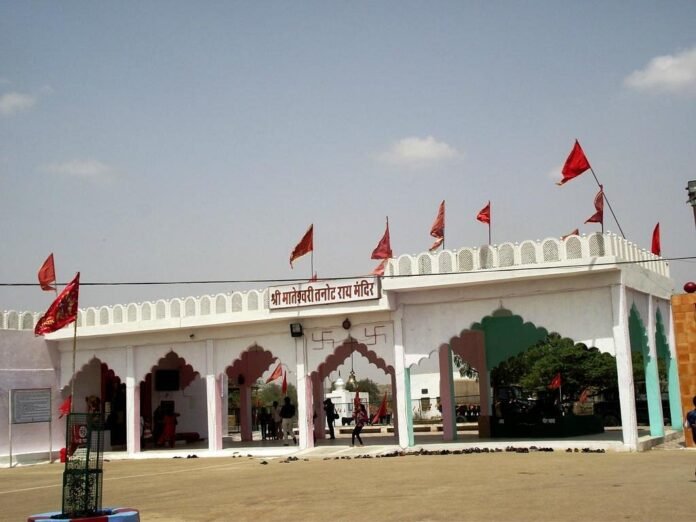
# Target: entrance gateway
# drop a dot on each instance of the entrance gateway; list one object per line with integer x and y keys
{"x": 455, "y": 300}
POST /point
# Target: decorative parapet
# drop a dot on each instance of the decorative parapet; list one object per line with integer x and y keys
{"x": 572, "y": 250}
{"x": 550, "y": 252}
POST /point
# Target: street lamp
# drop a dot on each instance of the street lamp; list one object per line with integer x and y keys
{"x": 691, "y": 189}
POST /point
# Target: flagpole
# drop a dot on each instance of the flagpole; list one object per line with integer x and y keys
{"x": 489, "y": 233}
{"x": 311, "y": 264}
{"x": 608, "y": 204}
{"x": 72, "y": 381}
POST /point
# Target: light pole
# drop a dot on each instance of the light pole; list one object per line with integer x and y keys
{"x": 691, "y": 189}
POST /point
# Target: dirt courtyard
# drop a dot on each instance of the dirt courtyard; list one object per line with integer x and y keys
{"x": 655, "y": 485}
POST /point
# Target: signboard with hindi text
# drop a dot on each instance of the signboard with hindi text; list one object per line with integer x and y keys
{"x": 31, "y": 405}
{"x": 324, "y": 292}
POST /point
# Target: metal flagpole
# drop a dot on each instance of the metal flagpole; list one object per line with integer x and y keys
{"x": 608, "y": 204}
{"x": 489, "y": 231}
{"x": 72, "y": 381}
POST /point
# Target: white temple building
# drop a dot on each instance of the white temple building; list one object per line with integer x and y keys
{"x": 484, "y": 304}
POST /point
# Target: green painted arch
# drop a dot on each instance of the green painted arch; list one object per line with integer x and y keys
{"x": 506, "y": 335}
{"x": 638, "y": 334}
{"x": 660, "y": 337}
{"x": 639, "y": 343}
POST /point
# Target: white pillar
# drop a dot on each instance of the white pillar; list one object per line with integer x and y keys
{"x": 402, "y": 401}
{"x": 304, "y": 395}
{"x": 132, "y": 405}
{"x": 624, "y": 367}
{"x": 213, "y": 388}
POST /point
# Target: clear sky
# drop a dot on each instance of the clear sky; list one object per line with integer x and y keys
{"x": 155, "y": 141}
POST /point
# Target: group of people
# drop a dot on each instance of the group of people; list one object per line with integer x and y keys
{"x": 470, "y": 412}
{"x": 359, "y": 416}
{"x": 276, "y": 424}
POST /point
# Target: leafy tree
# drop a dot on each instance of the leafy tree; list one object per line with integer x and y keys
{"x": 465, "y": 369}
{"x": 272, "y": 392}
{"x": 366, "y": 385}
{"x": 580, "y": 367}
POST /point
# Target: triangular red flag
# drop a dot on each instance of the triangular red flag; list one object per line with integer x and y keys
{"x": 598, "y": 217}
{"x": 47, "y": 274}
{"x": 484, "y": 216}
{"x": 379, "y": 269}
{"x": 575, "y": 164}
{"x": 584, "y": 395}
{"x": 65, "y": 407}
{"x": 655, "y": 248}
{"x": 575, "y": 232}
{"x": 382, "y": 411}
{"x": 284, "y": 387}
{"x": 62, "y": 311}
{"x": 438, "y": 228}
{"x": 555, "y": 382}
{"x": 305, "y": 246}
{"x": 383, "y": 249}
{"x": 276, "y": 374}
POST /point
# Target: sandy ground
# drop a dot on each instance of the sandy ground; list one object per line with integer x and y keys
{"x": 655, "y": 485}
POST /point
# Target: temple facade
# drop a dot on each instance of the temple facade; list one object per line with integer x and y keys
{"x": 484, "y": 304}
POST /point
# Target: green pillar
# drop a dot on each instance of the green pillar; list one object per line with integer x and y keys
{"x": 672, "y": 373}
{"x": 639, "y": 343}
{"x": 409, "y": 407}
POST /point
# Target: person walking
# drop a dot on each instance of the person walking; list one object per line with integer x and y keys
{"x": 331, "y": 416}
{"x": 360, "y": 416}
{"x": 263, "y": 422}
{"x": 690, "y": 421}
{"x": 274, "y": 429}
{"x": 287, "y": 412}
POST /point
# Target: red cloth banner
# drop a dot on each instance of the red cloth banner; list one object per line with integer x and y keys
{"x": 276, "y": 374}
{"x": 62, "y": 311}
{"x": 655, "y": 248}
{"x": 47, "y": 274}
{"x": 379, "y": 269}
{"x": 65, "y": 407}
{"x": 598, "y": 217}
{"x": 284, "y": 387}
{"x": 575, "y": 232}
{"x": 575, "y": 164}
{"x": 484, "y": 216}
{"x": 555, "y": 382}
{"x": 305, "y": 246}
{"x": 382, "y": 411}
{"x": 383, "y": 249}
{"x": 438, "y": 228}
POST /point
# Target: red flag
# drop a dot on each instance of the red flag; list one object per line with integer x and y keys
{"x": 438, "y": 228}
{"x": 276, "y": 374}
{"x": 484, "y": 216}
{"x": 382, "y": 411}
{"x": 575, "y": 232}
{"x": 584, "y": 395}
{"x": 598, "y": 217}
{"x": 655, "y": 248}
{"x": 383, "y": 249}
{"x": 65, "y": 407}
{"x": 379, "y": 269}
{"x": 284, "y": 387}
{"x": 575, "y": 164}
{"x": 555, "y": 382}
{"x": 62, "y": 311}
{"x": 47, "y": 274}
{"x": 305, "y": 246}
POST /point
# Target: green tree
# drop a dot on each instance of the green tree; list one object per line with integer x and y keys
{"x": 465, "y": 369}
{"x": 580, "y": 367}
{"x": 366, "y": 385}
{"x": 272, "y": 392}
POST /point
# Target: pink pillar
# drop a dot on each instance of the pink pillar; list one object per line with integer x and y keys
{"x": 245, "y": 412}
{"x": 395, "y": 409}
{"x": 318, "y": 402}
{"x": 449, "y": 426}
